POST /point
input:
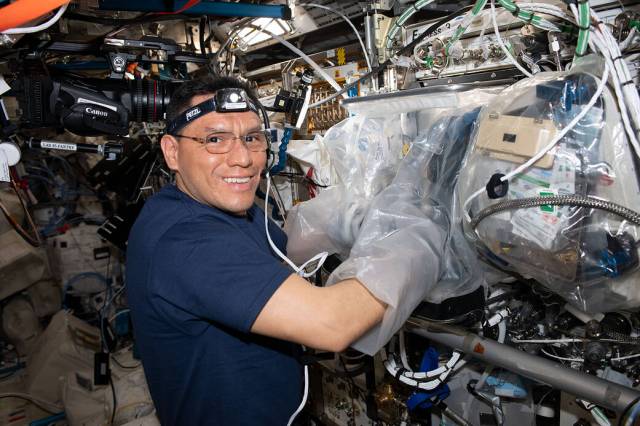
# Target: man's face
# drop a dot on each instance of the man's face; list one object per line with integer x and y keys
{"x": 227, "y": 181}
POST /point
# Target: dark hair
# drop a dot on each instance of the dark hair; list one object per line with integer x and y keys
{"x": 181, "y": 98}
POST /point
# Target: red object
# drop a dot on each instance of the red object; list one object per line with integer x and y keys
{"x": 187, "y": 5}
{"x": 312, "y": 187}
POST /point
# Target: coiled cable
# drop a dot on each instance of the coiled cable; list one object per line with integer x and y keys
{"x": 560, "y": 200}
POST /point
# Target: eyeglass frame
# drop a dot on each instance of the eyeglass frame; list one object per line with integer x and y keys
{"x": 203, "y": 141}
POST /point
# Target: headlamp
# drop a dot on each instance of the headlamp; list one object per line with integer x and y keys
{"x": 225, "y": 100}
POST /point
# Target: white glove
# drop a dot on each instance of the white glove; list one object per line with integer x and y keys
{"x": 398, "y": 253}
{"x": 330, "y": 222}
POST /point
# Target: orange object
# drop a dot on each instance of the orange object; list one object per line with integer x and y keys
{"x": 22, "y": 12}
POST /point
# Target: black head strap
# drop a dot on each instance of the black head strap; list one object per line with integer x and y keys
{"x": 225, "y": 100}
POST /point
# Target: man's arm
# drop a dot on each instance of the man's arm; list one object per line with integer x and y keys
{"x": 327, "y": 318}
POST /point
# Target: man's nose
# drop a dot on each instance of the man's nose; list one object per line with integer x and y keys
{"x": 239, "y": 154}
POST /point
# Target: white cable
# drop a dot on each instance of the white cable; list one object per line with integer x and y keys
{"x": 304, "y": 396}
{"x": 502, "y": 334}
{"x": 348, "y": 21}
{"x": 562, "y": 358}
{"x": 622, "y": 358}
{"x": 548, "y": 9}
{"x": 300, "y": 270}
{"x": 501, "y": 43}
{"x": 620, "y": 66}
{"x": 549, "y": 146}
{"x": 307, "y": 59}
{"x": 37, "y": 28}
{"x": 627, "y": 41}
{"x": 621, "y": 97}
{"x": 498, "y": 318}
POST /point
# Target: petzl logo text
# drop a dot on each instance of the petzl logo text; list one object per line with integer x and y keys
{"x": 193, "y": 113}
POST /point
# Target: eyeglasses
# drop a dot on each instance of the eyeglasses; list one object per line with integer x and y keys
{"x": 222, "y": 142}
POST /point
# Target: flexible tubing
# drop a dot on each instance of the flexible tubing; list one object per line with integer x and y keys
{"x": 307, "y": 59}
{"x": 41, "y": 27}
{"x": 348, "y": 21}
{"x": 304, "y": 396}
{"x": 24, "y": 11}
{"x": 513, "y": 60}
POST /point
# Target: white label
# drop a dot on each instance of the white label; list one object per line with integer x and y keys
{"x": 543, "y": 225}
{"x": 194, "y": 112}
{"x": 4, "y": 167}
{"x": 331, "y": 53}
{"x": 58, "y": 145}
{"x": 87, "y": 101}
{"x": 94, "y": 111}
{"x": 4, "y": 87}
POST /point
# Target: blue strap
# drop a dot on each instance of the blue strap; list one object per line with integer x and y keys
{"x": 424, "y": 399}
{"x": 282, "y": 151}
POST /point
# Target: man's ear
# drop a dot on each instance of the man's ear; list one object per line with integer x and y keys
{"x": 169, "y": 146}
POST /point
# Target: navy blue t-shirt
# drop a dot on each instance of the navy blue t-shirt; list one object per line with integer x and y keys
{"x": 197, "y": 278}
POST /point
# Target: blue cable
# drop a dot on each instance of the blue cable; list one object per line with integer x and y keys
{"x": 632, "y": 417}
{"x": 282, "y": 151}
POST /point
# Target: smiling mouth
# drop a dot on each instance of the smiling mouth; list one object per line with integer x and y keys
{"x": 237, "y": 179}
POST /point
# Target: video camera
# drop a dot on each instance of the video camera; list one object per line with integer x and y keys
{"x": 91, "y": 107}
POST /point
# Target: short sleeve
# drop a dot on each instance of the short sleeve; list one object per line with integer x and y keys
{"x": 217, "y": 274}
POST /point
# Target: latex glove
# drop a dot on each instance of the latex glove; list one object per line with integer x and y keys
{"x": 330, "y": 222}
{"x": 398, "y": 253}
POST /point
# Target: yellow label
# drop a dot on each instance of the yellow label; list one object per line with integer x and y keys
{"x": 405, "y": 149}
{"x": 341, "y": 56}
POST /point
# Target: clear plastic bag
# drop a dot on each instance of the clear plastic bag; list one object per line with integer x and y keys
{"x": 581, "y": 242}
{"x": 411, "y": 246}
{"x": 364, "y": 153}
{"x": 398, "y": 253}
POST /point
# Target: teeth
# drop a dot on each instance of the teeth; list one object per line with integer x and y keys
{"x": 236, "y": 180}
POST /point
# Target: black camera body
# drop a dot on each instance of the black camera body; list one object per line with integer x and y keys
{"x": 91, "y": 107}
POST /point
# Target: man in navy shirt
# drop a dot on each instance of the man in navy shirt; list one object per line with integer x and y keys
{"x": 215, "y": 312}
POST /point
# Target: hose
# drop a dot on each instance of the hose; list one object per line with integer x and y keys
{"x": 560, "y": 200}
{"x": 477, "y": 8}
{"x": 348, "y": 21}
{"x": 404, "y": 17}
{"x": 583, "y": 27}
{"x": 29, "y": 30}
{"x": 528, "y": 17}
{"x": 407, "y": 48}
{"x": 23, "y": 11}
{"x": 306, "y": 58}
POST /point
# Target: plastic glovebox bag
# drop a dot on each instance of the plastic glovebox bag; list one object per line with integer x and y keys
{"x": 364, "y": 153}
{"x": 583, "y": 243}
{"x": 448, "y": 137}
{"x": 398, "y": 252}
{"x": 411, "y": 246}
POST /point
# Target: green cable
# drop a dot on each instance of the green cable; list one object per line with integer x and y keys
{"x": 477, "y": 8}
{"x": 634, "y": 24}
{"x": 583, "y": 26}
{"x": 528, "y": 17}
{"x": 404, "y": 17}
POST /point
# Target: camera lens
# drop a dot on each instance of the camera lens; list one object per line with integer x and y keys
{"x": 150, "y": 99}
